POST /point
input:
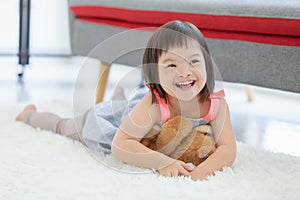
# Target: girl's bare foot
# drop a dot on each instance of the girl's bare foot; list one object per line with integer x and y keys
{"x": 21, "y": 115}
{"x": 119, "y": 94}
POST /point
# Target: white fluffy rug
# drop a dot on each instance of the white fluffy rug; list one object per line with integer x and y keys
{"x": 38, "y": 164}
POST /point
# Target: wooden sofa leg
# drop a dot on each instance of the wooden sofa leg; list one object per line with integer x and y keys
{"x": 250, "y": 92}
{"x": 102, "y": 82}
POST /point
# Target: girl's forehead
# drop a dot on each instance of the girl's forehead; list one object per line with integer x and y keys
{"x": 187, "y": 50}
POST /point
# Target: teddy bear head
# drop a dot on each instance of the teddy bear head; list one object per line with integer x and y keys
{"x": 179, "y": 140}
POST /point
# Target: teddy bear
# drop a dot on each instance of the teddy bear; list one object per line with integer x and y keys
{"x": 179, "y": 140}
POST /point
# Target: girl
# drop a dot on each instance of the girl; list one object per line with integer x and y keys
{"x": 179, "y": 72}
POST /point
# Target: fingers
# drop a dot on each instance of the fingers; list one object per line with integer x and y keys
{"x": 184, "y": 169}
{"x": 184, "y": 172}
{"x": 176, "y": 169}
{"x": 170, "y": 174}
{"x": 174, "y": 173}
{"x": 187, "y": 167}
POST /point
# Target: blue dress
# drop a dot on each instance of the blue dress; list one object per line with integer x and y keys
{"x": 103, "y": 120}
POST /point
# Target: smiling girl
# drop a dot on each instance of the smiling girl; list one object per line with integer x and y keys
{"x": 179, "y": 72}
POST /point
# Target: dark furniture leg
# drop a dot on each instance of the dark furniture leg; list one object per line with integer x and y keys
{"x": 24, "y": 36}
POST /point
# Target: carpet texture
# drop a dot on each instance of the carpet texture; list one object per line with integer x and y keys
{"x": 38, "y": 164}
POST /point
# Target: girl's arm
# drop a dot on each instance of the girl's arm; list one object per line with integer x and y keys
{"x": 226, "y": 145}
{"x": 126, "y": 144}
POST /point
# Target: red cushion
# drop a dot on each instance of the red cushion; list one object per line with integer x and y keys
{"x": 255, "y": 29}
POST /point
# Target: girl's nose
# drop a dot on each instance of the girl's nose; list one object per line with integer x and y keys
{"x": 184, "y": 70}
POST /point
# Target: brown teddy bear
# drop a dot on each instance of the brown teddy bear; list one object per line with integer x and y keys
{"x": 177, "y": 139}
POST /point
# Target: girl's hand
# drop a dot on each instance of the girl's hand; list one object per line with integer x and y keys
{"x": 176, "y": 168}
{"x": 199, "y": 174}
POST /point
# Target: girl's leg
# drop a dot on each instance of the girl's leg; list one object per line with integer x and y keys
{"x": 71, "y": 128}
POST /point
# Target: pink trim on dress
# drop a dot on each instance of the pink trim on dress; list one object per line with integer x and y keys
{"x": 163, "y": 106}
{"x": 212, "y": 113}
{"x": 214, "y": 104}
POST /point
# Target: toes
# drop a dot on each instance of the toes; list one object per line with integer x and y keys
{"x": 21, "y": 115}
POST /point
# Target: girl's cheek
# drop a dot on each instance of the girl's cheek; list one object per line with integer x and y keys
{"x": 202, "y": 73}
{"x": 161, "y": 74}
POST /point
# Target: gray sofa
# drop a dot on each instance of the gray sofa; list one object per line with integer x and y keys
{"x": 271, "y": 59}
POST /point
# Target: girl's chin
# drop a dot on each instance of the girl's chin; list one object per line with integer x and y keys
{"x": 186, "y": 95}
{"x": 187, "y": 98}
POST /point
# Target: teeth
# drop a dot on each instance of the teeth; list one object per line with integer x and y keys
{"x": 185, "y": 83}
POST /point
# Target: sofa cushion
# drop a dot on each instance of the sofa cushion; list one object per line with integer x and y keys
{"x": 263, "y": 25}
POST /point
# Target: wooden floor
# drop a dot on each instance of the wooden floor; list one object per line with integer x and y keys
{"x": 271, "y": 121}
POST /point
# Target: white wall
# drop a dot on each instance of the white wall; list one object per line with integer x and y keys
{"x": 49, "y": 33}
{"x": 9, "y": 26}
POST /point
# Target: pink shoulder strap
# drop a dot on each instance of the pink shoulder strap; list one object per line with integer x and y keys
{"x": 212, "y": 113}
{"x": 214, "y": 104}
{"x": 163, "y": 106}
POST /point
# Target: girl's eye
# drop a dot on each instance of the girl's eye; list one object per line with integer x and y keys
{"x": 171, "y": 65}
{"x": 193, "y": 62}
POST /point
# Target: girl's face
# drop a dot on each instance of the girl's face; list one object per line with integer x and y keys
{"x": 182, "y": 71}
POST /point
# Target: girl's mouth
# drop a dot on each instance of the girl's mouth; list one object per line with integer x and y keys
{"x": 186, "y": 84}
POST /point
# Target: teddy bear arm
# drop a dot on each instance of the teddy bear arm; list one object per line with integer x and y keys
{"x": 200, "y": 147}
{"x": 207, "y": 148}
{"x": 191, "y": 153}
{"x": 150, "y": 138}
{"x": 172, "y": 134}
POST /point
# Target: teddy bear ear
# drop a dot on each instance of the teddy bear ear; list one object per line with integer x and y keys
{"x": 204, "y": 129}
